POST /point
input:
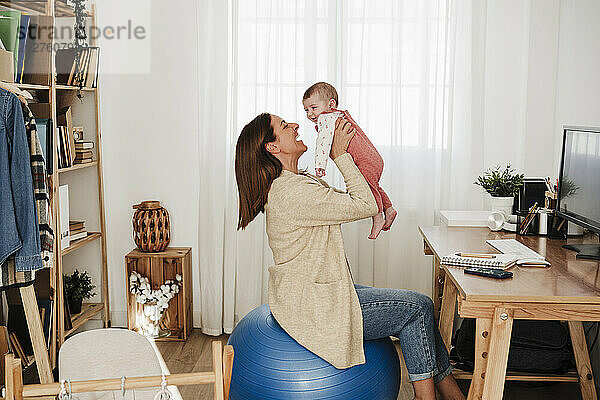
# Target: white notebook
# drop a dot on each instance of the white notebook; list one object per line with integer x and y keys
{"x": 500, "y": 261}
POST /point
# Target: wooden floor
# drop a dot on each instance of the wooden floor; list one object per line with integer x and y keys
{"x": 195, "y": 355}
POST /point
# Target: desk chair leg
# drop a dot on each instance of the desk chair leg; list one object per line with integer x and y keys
{"x": 34, "y": 323}
{"x": 495, "y": 374}
{"x": 482, "y": 348}
{"x": 447, "y": 315}
{"x": 582, "y": 359}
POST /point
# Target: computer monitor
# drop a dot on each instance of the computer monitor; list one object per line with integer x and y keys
{"x": 579, "y": 184}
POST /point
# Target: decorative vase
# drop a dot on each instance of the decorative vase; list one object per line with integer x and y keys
{"x": 503, "y": 204}
{"x": 155, "y": 322}
{"x": 151, "y": 227}
{"x": 74, "y": 305}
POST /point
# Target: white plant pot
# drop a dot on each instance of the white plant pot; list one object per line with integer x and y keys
{"x": 503, "y": 204}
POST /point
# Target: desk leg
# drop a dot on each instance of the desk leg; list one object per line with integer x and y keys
{"x": 438, "y": 281}
{"x": 447, "y": 315}
{"x": 495, "y": 374}
{"x": 582, "y": 359}
{"x": 482, "y": 347}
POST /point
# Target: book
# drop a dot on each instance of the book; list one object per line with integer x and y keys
{"x": 83, "y": 154}
{"x": 63, "y": 148}
{"x": 84, "y": 70}
{"x": 73, "y": 232}
{"x": 83, "y": 160}
{"x": 44, "y": 131}
{"x": 65, "y": 65}
{"x": 10, "y": 21}
{"x": 81, "y": 145}
{"x": 23, "y": 34}
{"x": 76, "y": 224}
{"x": 500, "y": 261}
{"x": 63, "y": 194}
{"x": 38, "y": 51}
{"x": 65, "y": 118}
{"x": 93, "y": 67}
{"x": 78, "y": 236}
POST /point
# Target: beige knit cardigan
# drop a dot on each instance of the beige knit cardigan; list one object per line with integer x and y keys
{"x": 311, "y": 293}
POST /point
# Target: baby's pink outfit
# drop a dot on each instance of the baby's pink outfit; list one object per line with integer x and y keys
{"x": 365, "y": 155}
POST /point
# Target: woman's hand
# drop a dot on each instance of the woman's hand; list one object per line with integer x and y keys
{"x": 341, "y": 137}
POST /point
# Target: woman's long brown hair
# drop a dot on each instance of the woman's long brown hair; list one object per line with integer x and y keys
{"x": 255, "y": 168}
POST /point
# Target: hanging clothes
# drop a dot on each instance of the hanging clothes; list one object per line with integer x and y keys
{"x": 40, "y": 187}
{"x": 19, "y": 229}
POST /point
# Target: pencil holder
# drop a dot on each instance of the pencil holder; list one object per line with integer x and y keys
{"x": 533, "y": 227}
{"x": 557, "y": 227}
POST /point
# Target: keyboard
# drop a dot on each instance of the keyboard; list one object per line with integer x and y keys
{"x": 512, "y": 246}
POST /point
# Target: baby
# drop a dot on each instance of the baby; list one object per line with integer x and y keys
{"x": 320, "y": 104}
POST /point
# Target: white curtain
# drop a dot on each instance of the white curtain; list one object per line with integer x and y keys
{"x": 403, "y": 70}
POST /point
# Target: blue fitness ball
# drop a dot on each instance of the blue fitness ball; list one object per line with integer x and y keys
{"x": 268, "y": 364}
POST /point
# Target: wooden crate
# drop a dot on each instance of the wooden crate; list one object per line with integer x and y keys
{"x": 158, "y": 267}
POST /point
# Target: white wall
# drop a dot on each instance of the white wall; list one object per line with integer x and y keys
{"x": 518, "y": 43}
{"x": 578, "y": 80}
{"x": 150, "y": 133}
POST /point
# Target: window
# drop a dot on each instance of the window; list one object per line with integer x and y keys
{"x": 388, "y": 59}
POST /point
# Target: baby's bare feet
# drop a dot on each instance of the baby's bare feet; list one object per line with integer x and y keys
{"x": 378, "y": 221}
{"x": 390, "y": 216}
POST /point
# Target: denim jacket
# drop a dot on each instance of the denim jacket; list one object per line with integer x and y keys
{"x": 19, "y": 231}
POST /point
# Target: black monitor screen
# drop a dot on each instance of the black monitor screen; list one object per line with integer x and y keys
{"x": 579, "y": 185}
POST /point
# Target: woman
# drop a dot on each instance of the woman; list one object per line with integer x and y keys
{"x": 311, "y": 293}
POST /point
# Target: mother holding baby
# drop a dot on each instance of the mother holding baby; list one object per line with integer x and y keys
{"x": 311, "y": 292}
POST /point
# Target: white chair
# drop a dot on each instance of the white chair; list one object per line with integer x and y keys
{"x": 111, "y": 353}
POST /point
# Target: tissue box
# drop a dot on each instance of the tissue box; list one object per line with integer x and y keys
{"x": 7, "y": 66}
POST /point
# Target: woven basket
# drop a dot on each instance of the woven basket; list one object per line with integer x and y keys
{"x": 151, "y": 227}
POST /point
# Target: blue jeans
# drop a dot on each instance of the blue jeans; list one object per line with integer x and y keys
{"x": 408, "y": 316}
{"x": 19, "y": 230}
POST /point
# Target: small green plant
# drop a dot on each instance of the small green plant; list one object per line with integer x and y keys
{"x": 78, "y": 286}
{"x": 501, "y": 183}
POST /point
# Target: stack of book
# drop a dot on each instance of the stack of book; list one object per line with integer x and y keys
{"x": 77, "y": 66}
{"x": 83, "y": 152}
{"x": 77, "y": 230}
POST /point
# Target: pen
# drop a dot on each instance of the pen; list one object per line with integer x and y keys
{"x": 475, "y": 255}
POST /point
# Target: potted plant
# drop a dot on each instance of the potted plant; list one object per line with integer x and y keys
{"x": 78, "y": 286}
{"x": 502, "y": 185}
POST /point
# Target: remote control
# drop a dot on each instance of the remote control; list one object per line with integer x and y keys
{"x": 489, "y": 272}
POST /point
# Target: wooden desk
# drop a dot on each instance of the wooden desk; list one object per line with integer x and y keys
{"x": 568, "y": 290}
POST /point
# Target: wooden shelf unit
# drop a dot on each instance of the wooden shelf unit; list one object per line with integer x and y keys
{"x": 57, "y": 9}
